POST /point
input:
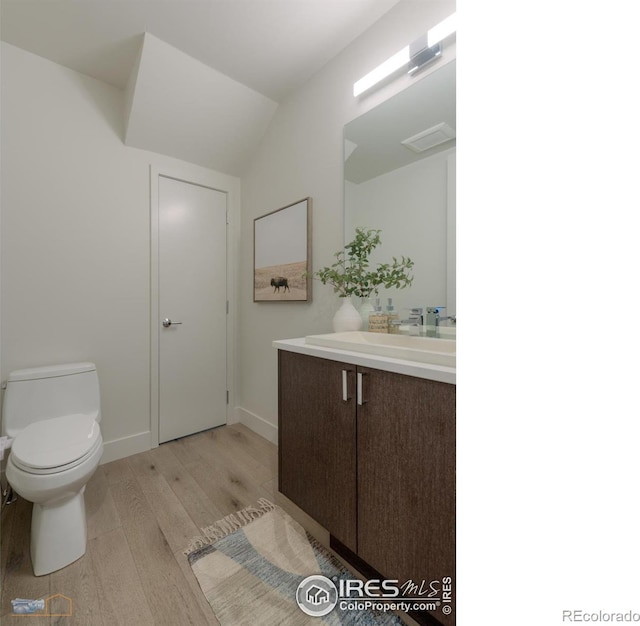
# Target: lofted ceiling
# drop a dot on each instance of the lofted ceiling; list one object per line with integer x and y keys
{"x": 201, "y": 79}
{"x": 271, "y": 46}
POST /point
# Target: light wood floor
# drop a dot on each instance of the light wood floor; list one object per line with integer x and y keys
{"x": 142, "y": 512}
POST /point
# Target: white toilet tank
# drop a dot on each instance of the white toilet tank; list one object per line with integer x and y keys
{"x": 40, "y": 393}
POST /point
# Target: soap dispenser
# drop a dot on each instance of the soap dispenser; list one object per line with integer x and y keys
{"x": 378, "y": 320}
{"x": 393, "y": 319}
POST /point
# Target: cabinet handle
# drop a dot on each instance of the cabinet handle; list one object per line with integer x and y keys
{"x": 360, "y": 398}
{"x": 345, "y": 386}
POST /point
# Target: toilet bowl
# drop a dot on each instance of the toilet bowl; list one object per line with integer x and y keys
{"x": 53, "y": 415}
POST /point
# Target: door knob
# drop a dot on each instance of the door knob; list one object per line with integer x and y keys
{"x": 166, "y": 322}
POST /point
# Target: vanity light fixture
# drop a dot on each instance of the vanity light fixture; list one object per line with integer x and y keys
{"x": 421, "y": 54}
{"x": 414, "y": 56}
{"x": 390, "y": 66}
{"x": 442, "y": 30}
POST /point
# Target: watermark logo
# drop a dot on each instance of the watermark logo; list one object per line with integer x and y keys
{"x": 578, "y": 615}
{"x": 316, "y": 596}
{"x": 57, "y": 605}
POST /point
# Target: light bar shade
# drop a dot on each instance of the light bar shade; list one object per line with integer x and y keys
{"x": 440, "y": 31}
{"x": 422, "y": 51}
{"x": 391, "y": 65}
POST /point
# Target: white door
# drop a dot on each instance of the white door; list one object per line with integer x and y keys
{"x": 192, "y": 305}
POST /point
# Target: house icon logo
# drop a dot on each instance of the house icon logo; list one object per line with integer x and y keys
{"x": 316, "y": 595}
{"x": 59, "y": 605}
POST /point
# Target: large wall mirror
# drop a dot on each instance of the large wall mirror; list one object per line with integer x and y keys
{"x": 408, "y": 191}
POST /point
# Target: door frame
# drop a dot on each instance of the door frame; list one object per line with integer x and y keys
{"x": 231, "y": 187}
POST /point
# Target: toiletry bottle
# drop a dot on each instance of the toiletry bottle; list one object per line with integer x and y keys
{"x": 393, "y": 318}
{"x": 378, "y": 320}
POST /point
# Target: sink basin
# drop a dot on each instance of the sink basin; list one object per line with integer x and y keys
{"x": 421, "y": 349}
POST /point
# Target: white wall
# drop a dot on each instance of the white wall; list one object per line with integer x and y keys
{"x": 301, "y": 155}
{"x": 418, "y": 231}
{"x": 76, "y": 236}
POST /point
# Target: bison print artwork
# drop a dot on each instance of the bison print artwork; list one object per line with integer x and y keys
{"x": 281, "y": 254}
{"x": 281, "y": 281}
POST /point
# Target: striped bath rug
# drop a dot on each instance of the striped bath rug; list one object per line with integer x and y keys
{"x": 255, "y": 567}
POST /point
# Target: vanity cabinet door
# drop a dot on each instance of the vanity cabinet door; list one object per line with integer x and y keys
{"x": 406, "y": 478}
{"x": 317, "y": 441}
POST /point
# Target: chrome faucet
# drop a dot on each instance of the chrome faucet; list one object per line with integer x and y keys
{"x": 433, "y": 315}
{"x": 415, "y": 318}
{"x": 433, "y": 320}
{"x": 414, "y": 321}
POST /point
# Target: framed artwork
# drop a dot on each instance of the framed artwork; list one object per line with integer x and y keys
{"x": 282, "y": 254}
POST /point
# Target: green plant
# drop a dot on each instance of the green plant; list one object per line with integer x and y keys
{"x": 351, "y": 275}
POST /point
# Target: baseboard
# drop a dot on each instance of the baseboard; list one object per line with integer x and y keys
{"x": 257, "y": 424}
{"x": 113, "y": 450}
{"x": 141, "y": 442}
{"x": 126, "y": 446}
{"x": 233, "y": 415}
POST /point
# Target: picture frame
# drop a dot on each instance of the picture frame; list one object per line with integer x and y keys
{"x": 282, "y": 254}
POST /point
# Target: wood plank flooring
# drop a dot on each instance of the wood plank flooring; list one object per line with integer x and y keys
{"x": 142, "y": 512}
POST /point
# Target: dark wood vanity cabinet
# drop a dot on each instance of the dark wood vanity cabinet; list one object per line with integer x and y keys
{"x": 406, "y": 480}
{"x": 379, "y": 476}
{"x": 317, "y": 442}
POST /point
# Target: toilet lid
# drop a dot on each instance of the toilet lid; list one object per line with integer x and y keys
{"x": 55, "y": 442}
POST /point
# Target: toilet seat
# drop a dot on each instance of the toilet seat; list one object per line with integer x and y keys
{"x": 57, "y": 444}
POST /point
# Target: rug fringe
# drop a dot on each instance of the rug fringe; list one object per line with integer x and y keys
{"x": 229, "y": 524}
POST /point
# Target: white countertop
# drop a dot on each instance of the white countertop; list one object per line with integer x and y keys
{"x": 409, "y": 368}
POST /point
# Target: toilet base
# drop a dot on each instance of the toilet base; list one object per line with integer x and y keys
{"x": 58, "y": 533}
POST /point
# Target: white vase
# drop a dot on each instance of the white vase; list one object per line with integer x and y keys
{"x": 346, "y": 317}
{"x": 366, "y": 308}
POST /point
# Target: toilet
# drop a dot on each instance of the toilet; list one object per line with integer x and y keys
{"x": 53, "y": 415}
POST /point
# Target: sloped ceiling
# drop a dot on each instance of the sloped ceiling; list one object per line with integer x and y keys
{"x": 181, "y": 107}
{"x": 202, "y": 78}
